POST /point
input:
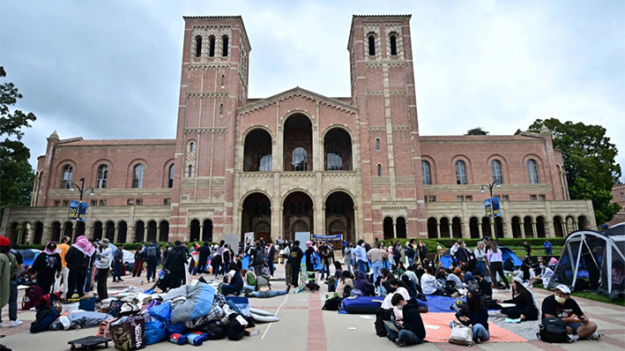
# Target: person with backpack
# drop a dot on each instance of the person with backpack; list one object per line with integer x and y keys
{"x": 175, "y": 265}
{"x": 8, "y": 285}
{"x": 411, "y": 328}
{"x": 152, "y": 257}
{"x": 118, "y": 261}
{"x": 295, "y": 261}
{"x": 271, "y": 253}
{"x": 78, "y": 258}
{"x": 263, "y": 287}
{"x": 137, "y": 269}
{"x": 258, "y": 258}
{"x": 561, "y": 305}
{"x": 47, "y": 267}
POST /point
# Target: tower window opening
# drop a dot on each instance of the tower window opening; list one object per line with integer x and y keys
{"x": 211, "y": 46}
{"x": 198, "y": 46}
{"x": 224, "y": 49}
{"x": 371, "y": 45}
{"x": 223, "y": 79}
{"x": 393, "y": 45}
{"x": 221, "y": 109}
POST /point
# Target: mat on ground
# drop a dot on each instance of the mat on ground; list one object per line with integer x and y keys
{"x": 497, "y": 333}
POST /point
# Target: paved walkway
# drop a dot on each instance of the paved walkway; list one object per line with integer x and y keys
{"x": 304, "y": 326}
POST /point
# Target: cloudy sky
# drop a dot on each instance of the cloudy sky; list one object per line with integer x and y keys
{"x": 111, "y": 69}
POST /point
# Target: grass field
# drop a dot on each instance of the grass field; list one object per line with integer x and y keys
{"x": 590, "y": 296}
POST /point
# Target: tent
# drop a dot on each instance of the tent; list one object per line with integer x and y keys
{"x": 602, "y": 255}
{"x": 29, "y": 256}
{"x": 506, "y": 253}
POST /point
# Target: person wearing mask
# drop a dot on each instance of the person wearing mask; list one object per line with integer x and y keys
{"x": 233, "y": 282}
{"x": 376, "y": 256}
{"x": 422, "y": 251}
{"x": 362, "y": 284}
{"x": 480, "y": 257}
{"x": 295, "y": 261}
{"x": 495, "y": 259}
{"x": 118, "y": 261}
{"x": 258, "y": 258}
{"x": 103, "y": 264}
{"x": 325, "y": 255}
{"x": 79, "y": 257}
{"x": 152, "y": 257}
{"x": 545, "y": 275}
{"x": 411, "y": 328}
{"x": 175, "y": 265}
{"x": 271, "y": 253}
{"x": 475, "y": 314}
{"x": 47, "y": 266}
{"x": 561, "y": 305}
{"x": 137, "y": 269}
{"x": 348, "y": 256}
{"x": 526, "y": 307}
{"x": 8, "y": 284}
{"x": 453, "y": 250}
{"x": 347, "y": 280}
{"x": 310, "y": 267}
{"x": 63, "y": 280}
{"x": 360, "y": 256}
{"x": 263, "y": 287}
{"x": 429, "y": 284}
{"x": 484, "y": 286}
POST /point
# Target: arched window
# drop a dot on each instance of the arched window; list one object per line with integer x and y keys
{"x": 461, "y": 172}
{"x": 190, "y": 174}
{"x": 532, "y": 171}
{"x": 170, "y": 181}
{"x": 221, "y": 109}
{"x": 495, "y": 168}
{"x": 198, "y": 46}
{"x": 66, "y": 182}
{"x": 299, "y": 160}
{"x": 379, "y": 170}
{"x": 191, "y": 146}
{"x": 425, "y": 170}
{"x": 137, "y": 176}
{"x": 377, "y": 144}
{"x": 103, "y": 174}
{"x": 371, "y": 45}
{"x": 224, "y": 46}
{"x": 335, "y": 159}
{"x": 393, "y": 39}
{"x": 264, "y": 160}
{"x": 211, "y": 46}
{"x": 223, "y": 80}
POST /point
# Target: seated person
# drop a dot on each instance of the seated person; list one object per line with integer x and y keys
{"x": 249, "y": 280}
{"x": 346, "y": 284}
{"x": 411, "y": 328}
{"x": 263, "y": 287}
{"x": 468, "y": 275}
{"x": 455, "y": 277}
{"x": 413, "y": 288}
{"x": 526, "y": 306}
{"x": 474, "y": 313}
{"x": 399, "y": 288}
{"x": 561, "y": 305}
{"x": 362, "y": 284}
{"x": 544, "y": 276}
{"x": 233, "y": 283}
{"x": 618, "y": 275}
{"x": 412, "y": 273}
{"x": 399, "y": 269}
{"x": 382, "y": 282}
{"x": 485, "y": 290}
{"x": 429, "y": 284}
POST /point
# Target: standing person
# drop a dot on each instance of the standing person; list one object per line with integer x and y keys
{"x": 226, "y": 258}
{"x": 47, "y": 266}
{"x": 561, "y": 305}
{"x": 91, "y": 271}
{"x": 286, "y": 254}
{"x": 221, "y": 266}
{"x": 205, "y": 252}
{"x": 152, "y": 257}
{"x": 8, "y": 284}
{"x": 118, "y": 261}
{"x": 528, "y": 249}
{"x": 348, "y": 256}
{"x": 310, "y": 250}
{"x": 175, "y": 265}
{"x": 476, "y": 315}
{"x": 461, "y": 253}
{"x": 258, "y": 258}
{"x": 104, "y": 259}
{"x": 422, "y": 250}
{"x": 397, "y": 252}
{"x": 360, "y": 256}
{"x": 78, "y": 258}
{"x": 412, "y": 330}
{"x": 62, "y": 250}
{"x": 480, "y": 257}
{"x": 295, "y": 260}
{"x": 324, "y": 254}
{"x": 137, "y": 269}
{"x": 271, "y": 253}
{"x": 411, "y": 251}
{"x": 547, "y": 245}
{"x": 165, "y": 251}
{"x": 495, "y": 259}
{"x": 376, "y": 256}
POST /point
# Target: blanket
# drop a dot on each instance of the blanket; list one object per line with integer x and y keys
{"x": 79, "y": 320}
{"x": 198, "y": 303}
{"x": 441, "y": 320}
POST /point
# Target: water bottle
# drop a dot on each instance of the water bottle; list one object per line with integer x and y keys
{"x": 142, "y": 282}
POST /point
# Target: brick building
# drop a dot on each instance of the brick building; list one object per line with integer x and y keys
{"x": 299, "y": 161}
{"x": 618, "y": 196}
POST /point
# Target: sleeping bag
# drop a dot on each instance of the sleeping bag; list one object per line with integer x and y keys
{"x": 199, "y": 300}
{"x": 79, "y": 320}
{"x": 361, "y": 304}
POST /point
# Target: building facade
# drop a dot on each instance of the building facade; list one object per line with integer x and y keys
{"x": 618, "y": 197}
{"x": 299, "y": 161}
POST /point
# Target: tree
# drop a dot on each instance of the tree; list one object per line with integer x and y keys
{"x": 16, "y": 175}
{"x": 477, "y": 131}
{"x": 589, "y": 161}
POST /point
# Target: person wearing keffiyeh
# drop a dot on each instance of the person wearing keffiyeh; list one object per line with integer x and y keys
{"x": 79, "y": 258}
{"x": 47, "y": 266}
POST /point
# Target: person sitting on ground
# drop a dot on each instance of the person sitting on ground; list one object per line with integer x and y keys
{"x": 346, "y": 284}
{"x": 362, "y": 284}
{"x": 561, "y": 305}
{"x": 399, "y": 269}
{"x": 234, "y": 283}
{"x": 544, "y": 276}
{"x": 334, "y": 280}
{"x": 474, "y": 313}
{"x": 263, "y": 287}
{"x": 526, "y": 307}
{"x": 468, "y": 275}
{"x": 456, "y": 277}
{"x": 249, "y": 279}
{"x": 397, "y": 288}
{"x": 484, "y": 286}
{"x": 429, "y": 284}
{"x": 382, "y": 282}
{"x": 411, "y": 328}
{"x": 412, "y": 273}
{"x": 441, "y": 273}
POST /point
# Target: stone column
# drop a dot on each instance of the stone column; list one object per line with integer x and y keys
{"x": 451, "y": 229}
{"x": 158, "y": 231}
{"x": 438, "y": 229}
{"x": 479, "y": 228}
{"x": 522, "y": 230}
{"x": 551, "y": 229}
{"x": 116, "y": 234}
{"x": 492, "y": 229}
{"x": 466, "y": 229}
{"x": 74, "y": 233}
{"x": 535, "y": 232}
{"x": 20, "y": 233}
{"x": 564, "y": 229}
{"x": 145, "y": 233}
{"x": 394, "y": 229}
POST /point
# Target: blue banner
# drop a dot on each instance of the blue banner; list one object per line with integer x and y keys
{"x": 82, "y": 211}
{"x": 77, "y": 211}
{"x": 496, "y": 208}
{"x": 336, "y": 237}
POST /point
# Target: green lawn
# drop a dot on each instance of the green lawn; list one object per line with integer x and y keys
{"x": 590, "y": 296}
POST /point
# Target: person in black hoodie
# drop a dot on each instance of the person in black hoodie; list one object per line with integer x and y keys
{"x": 411, "y": 328}
{"x": 47, "y": 265}
{"x": 205, "y": 251}
{"x": 79, "y": 258}
{"x": 295, "y": 260}
{"x": 175, "y": 265}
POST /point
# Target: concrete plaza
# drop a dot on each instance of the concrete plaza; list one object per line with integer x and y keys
{"x": 304, "y": 326}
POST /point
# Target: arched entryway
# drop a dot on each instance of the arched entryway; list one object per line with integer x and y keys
{"x": 39, "y": 233}
{"x": 388, "y": 228}
{"x": 540, "y": 227}
{"x": 400, "y": 228}
{"x": 432, "y": 228}
{"x": 582, "y": 222}
{"x": 110, "y": 231}
{"x": 338, "y": 150}
{"x": 298, "y": 146}
{"x": 340, "y": 216}
{"x": 528, "y": 227}
{"x": 558, "y": 227}
{"x": 298, "y": 214}
{"x": 194, "y": 230}
{"x": 486, "y": 227}
{"x": 207, "y": 230}
{"x": 257, "y": 151}
{"x": 68, "y": 229}
{"x": 456, "y": 227}
{"x": 474, "y": 228}
{"x": 445, "y": 228}
{"x": 256, "y": 216}
{"x": 97, "y": 230}
{"x": 139, "y": 231}
{"x": 163, "y": 235}
{"x": 80, "y": 228}
{"x": 152, "y": 235}
{"x": 516, "y": 227}
{"x": 122, "y": 232}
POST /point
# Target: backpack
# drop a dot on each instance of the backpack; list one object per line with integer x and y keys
{"x": 315, "y": 259}
{"x": 450, "y": 288}
{"x": 259, "y": 257}
{"x": 553, "y": 329}
{"x": 324, "y": 252}
{"x": 44, "y": 318}
{"x": 380, "y": 316}
{"x": 236, "y": 330}
{"x": 151, "y": 252}
{"x": 31, "y": 297}
{"x": 410, "y": 252}
{"x": 332, "y": 304}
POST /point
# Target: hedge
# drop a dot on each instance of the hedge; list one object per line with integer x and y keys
{"x": 127, "y": 246}
{"x": 535, "y": 243}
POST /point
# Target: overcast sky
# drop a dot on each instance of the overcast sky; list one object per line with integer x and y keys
{"x": 111, "y": 69}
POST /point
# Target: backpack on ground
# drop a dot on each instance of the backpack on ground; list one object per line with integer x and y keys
{"x": 31, "y": 297}
{"x": 333, "y": 304}
{"x": 553, "y": 329}
{"x": 44, "y": 318}
{"x": 450, "y": 288}
{"x": 151, "y": 252}
{"x": 380, "y": 316}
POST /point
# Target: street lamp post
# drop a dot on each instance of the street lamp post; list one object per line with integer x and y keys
{"x": 81, "y": 190}
{"x": 492, "y": 212}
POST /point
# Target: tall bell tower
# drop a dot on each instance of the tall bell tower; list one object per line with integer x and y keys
{"x": 214, "y": 83}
